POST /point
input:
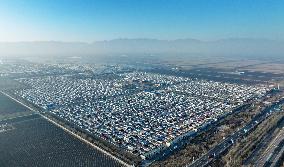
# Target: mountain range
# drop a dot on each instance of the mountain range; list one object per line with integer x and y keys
{"x": 232, "y": 46}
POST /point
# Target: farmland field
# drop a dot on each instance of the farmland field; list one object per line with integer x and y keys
{"x": 9, "y": 108}
{"x": 36, "y": 142}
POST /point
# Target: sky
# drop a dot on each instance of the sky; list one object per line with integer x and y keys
{"x": 95, "y": 20}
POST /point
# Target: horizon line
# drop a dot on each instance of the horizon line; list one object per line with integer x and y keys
{"x": 142, "y": 38}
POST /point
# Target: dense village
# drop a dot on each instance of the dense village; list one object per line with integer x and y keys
{"x": 141, "y": 112}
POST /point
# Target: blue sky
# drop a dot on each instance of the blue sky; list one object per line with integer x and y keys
{"x": 92, "y": 20}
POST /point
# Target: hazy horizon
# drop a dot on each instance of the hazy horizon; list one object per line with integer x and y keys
{"x": 223, "y": 47}
{"x": 93, "y": 27}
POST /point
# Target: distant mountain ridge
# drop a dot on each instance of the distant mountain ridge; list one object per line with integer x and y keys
{"x": 229, "y": 46}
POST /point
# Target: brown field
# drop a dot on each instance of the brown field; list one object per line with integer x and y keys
{"x": 277, "y": 68}
{"x": 232, "y": 64}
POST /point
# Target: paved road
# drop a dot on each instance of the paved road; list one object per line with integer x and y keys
{"x": 70, "y": 132}
{"x": 277, "y": 158}
{"x": 219, "y": 149}
{"x": 266, "y": 155}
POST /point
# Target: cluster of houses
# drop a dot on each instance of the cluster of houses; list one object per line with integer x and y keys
{"x": 4, "y": 127}
{"x": 138, "y": 111}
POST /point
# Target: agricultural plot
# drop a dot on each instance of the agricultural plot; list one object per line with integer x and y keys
{"x": 8, "y": 84}
{"x": 9, "y": 108}
{"x": 36, "y": 142}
